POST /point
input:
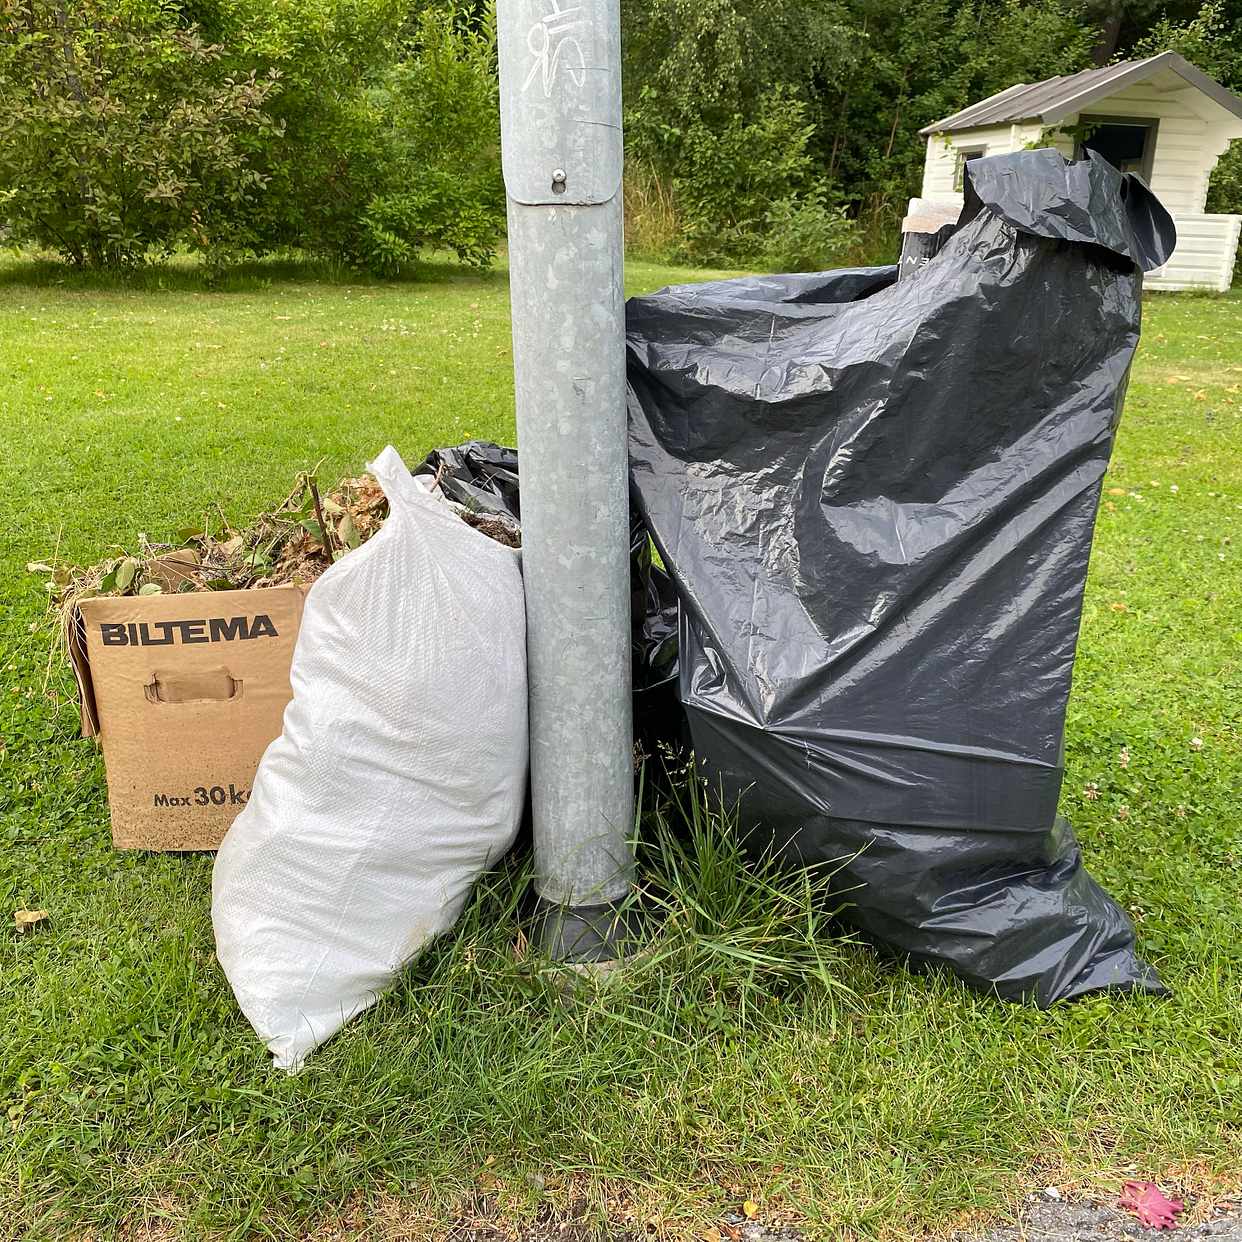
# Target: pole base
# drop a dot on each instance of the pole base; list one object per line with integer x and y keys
{"x": 586, "y": 934}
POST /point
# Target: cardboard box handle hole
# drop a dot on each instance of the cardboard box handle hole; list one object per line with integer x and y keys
{"x": 209, "y": 685}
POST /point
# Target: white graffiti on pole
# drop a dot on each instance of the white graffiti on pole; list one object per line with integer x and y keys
{"x": 555, "y": 46}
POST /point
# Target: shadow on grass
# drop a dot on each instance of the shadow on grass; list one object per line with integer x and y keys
{"x": 188, "y": 274}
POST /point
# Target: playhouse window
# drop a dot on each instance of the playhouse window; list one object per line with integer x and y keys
{"x": 1128, "y": 145}
{"x": 959, "y": 166}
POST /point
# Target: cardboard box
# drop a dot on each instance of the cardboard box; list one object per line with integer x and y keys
{"x": 185, "y": 691}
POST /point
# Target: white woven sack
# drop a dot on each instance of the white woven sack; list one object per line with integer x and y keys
{"x": 400, "y": 774}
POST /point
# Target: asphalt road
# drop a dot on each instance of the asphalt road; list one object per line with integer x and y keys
{"x": 1043, "y": 1219}
{"x": 1054, "y": 1221}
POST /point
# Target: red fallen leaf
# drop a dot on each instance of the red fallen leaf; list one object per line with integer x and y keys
{"x": 1149, "y": 1205}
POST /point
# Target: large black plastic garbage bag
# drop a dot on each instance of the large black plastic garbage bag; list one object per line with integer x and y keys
{"x": 876, "y": 500}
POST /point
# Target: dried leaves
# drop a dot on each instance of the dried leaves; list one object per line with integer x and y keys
{"x": 494, "y": 527}
{"x": 1145, "y": 1200}
{"x": 290, "y": 545}
{"x": 26, "y": 920}
{"x": 293, "y": 543}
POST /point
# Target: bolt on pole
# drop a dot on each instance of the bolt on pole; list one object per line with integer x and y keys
{"x": 560, "y": 101}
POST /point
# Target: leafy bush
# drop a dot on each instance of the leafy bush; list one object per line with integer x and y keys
{"x": 719, "y": 124}
{"x": 327, "y": 160}
{"x": 1225, "y": 188}
{"x": 746, "y": 191}
{"x": 441, "y": 137}
{"x": 1225, "y": 192}
{"x": 389, "y": 131}
{"x": 1210, "y": 40}
{"x": 913, "y": 66}
{"x": 443, "y": 212}
{"x": 120, "y": 133}
{"x": 335, "y": 127}
{"x": 805, "y": 233}
{"x": 853, "y": 82}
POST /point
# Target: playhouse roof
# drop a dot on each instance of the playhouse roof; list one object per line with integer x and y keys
{"x": 1056, "y": 98}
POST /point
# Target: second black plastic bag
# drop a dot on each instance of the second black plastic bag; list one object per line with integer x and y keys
{"x": 876, "y": 501}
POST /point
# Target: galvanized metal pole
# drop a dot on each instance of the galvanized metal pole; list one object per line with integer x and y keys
{"x": 560, "y": 99}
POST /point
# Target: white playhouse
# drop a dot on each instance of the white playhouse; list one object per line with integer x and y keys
{"x": 1161, "y": 118}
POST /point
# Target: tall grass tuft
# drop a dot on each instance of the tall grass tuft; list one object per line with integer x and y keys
{"x": 652, "y": 227}
{"x": 725, "y": 937}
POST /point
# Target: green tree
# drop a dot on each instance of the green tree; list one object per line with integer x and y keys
{"x": 763, "y": 121}
{"x": 388, "y": 133}
{"x": 121, "y": 131}
{"x": 1210, "y": 39}
{"x": 326, "y": 160}
{"x": 721, "y": 110}
{"x": 912, "y": 66}
{"x": 1118, "y": 23}
{"x": 441, "y": 136}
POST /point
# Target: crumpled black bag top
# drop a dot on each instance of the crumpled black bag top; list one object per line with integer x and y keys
{"x": 478, "y": 474}
{"x": 876, "y": 500}
{"x": 1086, "y": 201}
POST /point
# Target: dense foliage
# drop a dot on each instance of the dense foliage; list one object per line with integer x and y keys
{"x": 121, "y": 133}
{"x": 775, "y": 132}
{"x": 345, "y": 128}
{"x": 815, "y": 105}
{"x": 441, "y": 138}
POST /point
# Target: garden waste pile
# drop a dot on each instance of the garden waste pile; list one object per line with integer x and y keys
{"x": 290, "y": 545}
{"x": 872, "y": 501}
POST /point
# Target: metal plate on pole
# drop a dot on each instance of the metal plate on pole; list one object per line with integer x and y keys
{"x": 560, "y": 106}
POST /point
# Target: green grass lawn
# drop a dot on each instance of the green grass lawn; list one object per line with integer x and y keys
{"x": 135, "y": 1095}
